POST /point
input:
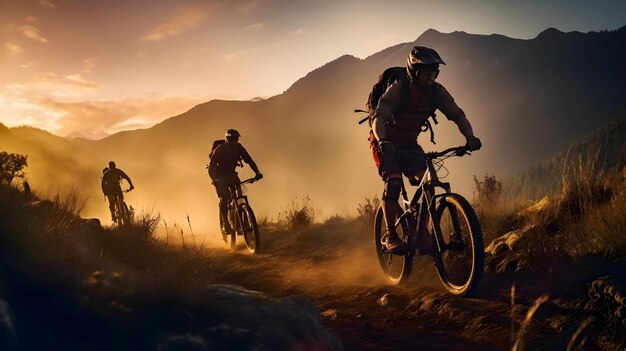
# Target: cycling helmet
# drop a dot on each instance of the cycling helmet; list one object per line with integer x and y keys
{"x": 422, "y": 58}
{"x": 231, "y": 133}
{"x": 111, "y": 164}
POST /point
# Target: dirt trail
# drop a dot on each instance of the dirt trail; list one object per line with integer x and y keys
{"x": 363, "y": 309}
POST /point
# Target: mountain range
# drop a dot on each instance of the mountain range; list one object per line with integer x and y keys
{"x": 526, "y": 99}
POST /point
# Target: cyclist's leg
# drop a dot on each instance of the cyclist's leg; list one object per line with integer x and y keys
{"x": 224, "y": 195}
{"x": 111, "y": 198}
{"x": 389, "y": 170}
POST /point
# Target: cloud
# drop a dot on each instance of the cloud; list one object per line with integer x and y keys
{"x": 106, "y": 117}
{"x": 47, "y": 4}
{"x": 298, "y": 31}
{"x": 14, "y": 49}
{"x": 176, "y": 25}
{"x": 89, "y": 65}
{"x": 29, "y": 31}
{"x": 49, "y": 83}
{"x": 92, "y": 119}
{"x": 251, "y": 6}
{"x": 256, "y": 26}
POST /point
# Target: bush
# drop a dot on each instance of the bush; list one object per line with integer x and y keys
{"x": 299, "y": 213}
{"x": 367, "y": 209}
{"x": 488, "y": 191}
{"x": 12, "y": 166}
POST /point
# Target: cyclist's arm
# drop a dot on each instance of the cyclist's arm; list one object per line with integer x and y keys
{"x": 453, "y": 112}
{"x": 387, "y": 105}
{"x": 123, "y": 175}
{"x": 248, "y": 159}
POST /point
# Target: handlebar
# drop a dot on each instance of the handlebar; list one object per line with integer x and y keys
{"x": 250, "y": 180}
{"x": 458, "y": 151}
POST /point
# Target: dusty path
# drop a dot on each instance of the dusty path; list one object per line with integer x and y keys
{"x": 365, "y": 311}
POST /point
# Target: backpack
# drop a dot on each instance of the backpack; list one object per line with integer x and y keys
{"x": 388, "y": 77}
{"x": 216, "y": 143}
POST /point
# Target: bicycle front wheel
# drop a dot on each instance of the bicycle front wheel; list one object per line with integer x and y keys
{"x": 250, "y": 228}
{"x": 459, "y": 249}
{"x": 396, "y": 268}
{"x": 231, "y": 238}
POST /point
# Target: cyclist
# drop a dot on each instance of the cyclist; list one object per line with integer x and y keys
{"x": 398, "y": 119}
{"x": 111, "y": 180}
{"x": 223, "y": 161}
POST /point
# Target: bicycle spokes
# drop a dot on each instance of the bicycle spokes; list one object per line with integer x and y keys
{"x": 456, "y": 256}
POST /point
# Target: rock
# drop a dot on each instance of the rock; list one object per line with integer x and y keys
{"x": 607, "y": 297}
{"x": 276, "y": 324}
{"x": 330, "y": 314}
{"x": 390, "y": 300}
{"x": 91, "y": 225}
{"x": 8, "y": 338}
{"x": 183, "y": 341}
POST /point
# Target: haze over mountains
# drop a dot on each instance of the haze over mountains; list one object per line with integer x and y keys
{"x": 526, "y": 99}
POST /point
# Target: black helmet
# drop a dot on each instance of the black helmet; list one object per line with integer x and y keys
{"x": 422, "y": 57}
{"x": 111, "y": 164}
{"x": 232, "y": 133}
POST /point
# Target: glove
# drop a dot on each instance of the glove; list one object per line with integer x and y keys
{"x": 473, "y": 143}
{"x": 215, "y": 182}
{"x": 386, "y": 147}
{"x": 259, "y": 176}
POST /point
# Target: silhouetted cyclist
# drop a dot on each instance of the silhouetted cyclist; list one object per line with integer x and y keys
{"x": 111, "y": 185}
{"x": 399, "y": 116}
{"x": 223, "y": 161}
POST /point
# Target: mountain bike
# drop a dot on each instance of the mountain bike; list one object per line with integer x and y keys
{"x": 121, "y": 211}
{"x": 242, "y": 219}
{"x": 447, "y": 219}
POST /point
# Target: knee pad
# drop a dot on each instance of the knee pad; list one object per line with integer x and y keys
{"x": 393, "y": 186}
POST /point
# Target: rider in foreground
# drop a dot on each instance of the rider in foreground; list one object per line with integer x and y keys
{"x": 111, "y": 180}
{"x": 223, "y": 161}
{"x": 398, "y": 119}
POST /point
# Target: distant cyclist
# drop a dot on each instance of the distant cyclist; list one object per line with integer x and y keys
{"x": 223, "y": 161}
{"x": 111, "y": 185}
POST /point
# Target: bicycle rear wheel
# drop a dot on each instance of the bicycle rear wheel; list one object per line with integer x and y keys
{"x": 250, "y": 228}
{"x": 460, "y": 259}
{"x": 396, "y": 268}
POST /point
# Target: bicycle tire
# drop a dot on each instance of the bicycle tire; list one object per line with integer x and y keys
{"x": 399, "y": 271}
{"x": 250, "y": 228}
{"x": 125, "y": 213}
{"x": 233, "y": 227}
{"x": 459, "y": 250}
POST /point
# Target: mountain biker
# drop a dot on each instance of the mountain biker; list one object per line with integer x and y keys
{"x": 398, "y": 119}
{"x": 111, "y": 180}
{"x": 223, "y": 161}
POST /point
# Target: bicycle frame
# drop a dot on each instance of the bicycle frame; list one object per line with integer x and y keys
{"x": 424, "y": 200}
{"x": 237, "y": 198}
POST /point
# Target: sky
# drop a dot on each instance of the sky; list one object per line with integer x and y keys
{"x": 92, "y": 68}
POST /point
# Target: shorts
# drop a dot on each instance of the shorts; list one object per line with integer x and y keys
{"x": 410, "y": 166}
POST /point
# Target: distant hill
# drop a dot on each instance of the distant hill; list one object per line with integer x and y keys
{"x": 527, "y": 99}
{"x": 604, "y": 147}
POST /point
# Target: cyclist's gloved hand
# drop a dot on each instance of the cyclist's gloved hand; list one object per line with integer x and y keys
{"x": 386, "y": 147}
{"x": 259, "y": 176}
{"x": 473, "y": 143}
{"x": 215, "y": 182}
